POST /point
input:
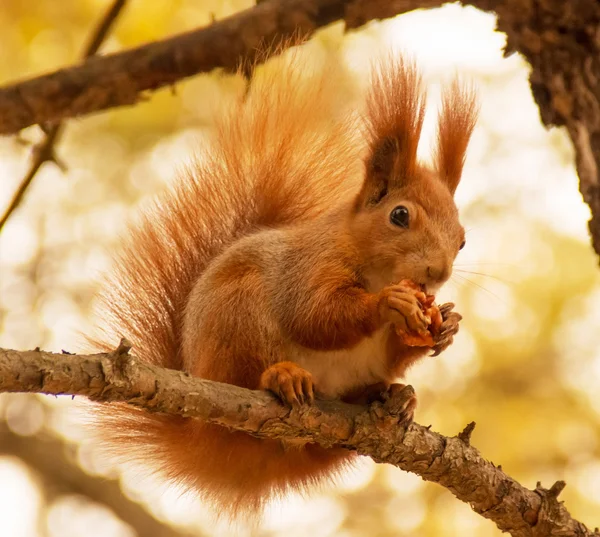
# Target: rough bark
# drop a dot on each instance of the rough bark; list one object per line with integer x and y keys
{"x": 372, "y": 431}
{"x": 561, "y": 41}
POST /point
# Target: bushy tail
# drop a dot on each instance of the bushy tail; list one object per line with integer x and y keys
{"x": 283, "y": 152}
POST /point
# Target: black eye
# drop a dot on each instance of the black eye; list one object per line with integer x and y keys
{"x": 399, "y": 216}
{"x": 462, "y": 245}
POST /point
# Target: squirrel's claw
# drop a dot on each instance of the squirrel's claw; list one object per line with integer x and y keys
{"x": 292, "y": 384}
{"x": 448, "y": 329}
{"x": 446, "y": 308}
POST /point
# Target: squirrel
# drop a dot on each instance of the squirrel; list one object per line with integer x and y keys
{"x": 279, "y": 261}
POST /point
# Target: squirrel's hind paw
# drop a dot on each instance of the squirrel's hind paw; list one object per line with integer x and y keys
{"x": 401, "y": 400}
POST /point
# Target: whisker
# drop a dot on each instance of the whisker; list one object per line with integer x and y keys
{"x": 512, "y": 265}
{"x": 474, "y": 284}
{"x": 497, "y": 278}
{"x": 453, "y": 283}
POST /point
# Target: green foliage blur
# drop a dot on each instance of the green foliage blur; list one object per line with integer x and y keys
{"x": 525, "y": 366}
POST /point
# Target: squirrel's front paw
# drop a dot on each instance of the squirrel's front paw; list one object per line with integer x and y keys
{"x": 292, "y": 384}
{"x": 448, "y": 329}
{"x": 400, "y": 305}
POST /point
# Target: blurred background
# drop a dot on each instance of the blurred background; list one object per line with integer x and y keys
{"x": 525, "y": 366}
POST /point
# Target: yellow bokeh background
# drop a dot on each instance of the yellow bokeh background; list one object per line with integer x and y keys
{"x": 525, "y": 367}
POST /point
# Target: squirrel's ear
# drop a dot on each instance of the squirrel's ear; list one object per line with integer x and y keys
{"x": 394, "y": 118}
{"x": 457, "y": 120}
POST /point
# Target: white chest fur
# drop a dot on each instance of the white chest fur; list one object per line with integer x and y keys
{"x": 337, "y": 372}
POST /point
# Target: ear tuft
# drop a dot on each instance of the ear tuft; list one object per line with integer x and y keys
{"x": 394, "y": 119}
{"x": 457, "y": 120}
{"x": 383, "y": 157}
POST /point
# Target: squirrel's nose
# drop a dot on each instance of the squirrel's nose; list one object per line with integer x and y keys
{"x": 438, "y": 273}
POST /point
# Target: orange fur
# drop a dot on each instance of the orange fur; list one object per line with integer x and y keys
{"x": 277, "y": 247}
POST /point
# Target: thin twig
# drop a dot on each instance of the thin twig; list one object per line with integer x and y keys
{"x": 44, "y": 151}
{"x": 103, "y": 28}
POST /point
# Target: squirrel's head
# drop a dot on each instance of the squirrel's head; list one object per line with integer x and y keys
{"x": 404, "y": 218}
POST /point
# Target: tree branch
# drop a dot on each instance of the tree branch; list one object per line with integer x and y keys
{"x": 371, "y": 431}
{"x": 119, "y": 79}
{"x": 560, "y": 41}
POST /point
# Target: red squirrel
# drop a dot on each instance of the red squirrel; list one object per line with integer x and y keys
{"x": 274, "y": 263}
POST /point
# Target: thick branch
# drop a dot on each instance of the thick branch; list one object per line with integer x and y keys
{"x": 372, "y": 431}
{"x": 119, "y": 79}
{"x": 560, "y": 40}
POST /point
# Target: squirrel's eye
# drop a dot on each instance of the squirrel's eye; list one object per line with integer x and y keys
{"x": 399, "y": 216}
{"x": 462, "y": 245}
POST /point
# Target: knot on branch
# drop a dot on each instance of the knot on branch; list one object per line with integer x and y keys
{"x": 125, "y": 374}
{"x": 120, "y": 355}
{"x": 117, "y": 366}
{"x": 553, "y": 492}
{"x": 465, "y": 434}
{"x": 552, "y": 510}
